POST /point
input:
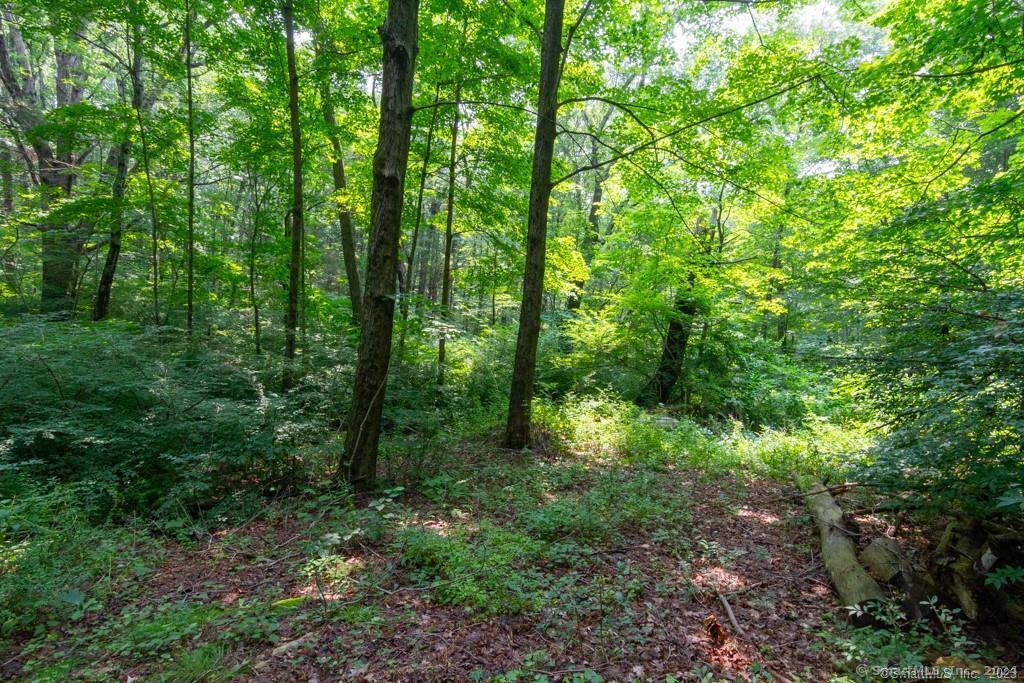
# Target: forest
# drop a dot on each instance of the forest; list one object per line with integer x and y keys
{"x": 511, "y": 340}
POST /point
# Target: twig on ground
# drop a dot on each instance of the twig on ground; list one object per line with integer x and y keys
{"x": 728, "y": 613}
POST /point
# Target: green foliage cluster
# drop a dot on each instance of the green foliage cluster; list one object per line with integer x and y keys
{"x": 897, "y": 640}
{"x": 619, "y": 430}
{"x": 146, "y": 422}
{"x": 57, "y": 566}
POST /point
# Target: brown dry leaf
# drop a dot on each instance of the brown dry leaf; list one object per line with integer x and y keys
{"x": 715, "y": 630}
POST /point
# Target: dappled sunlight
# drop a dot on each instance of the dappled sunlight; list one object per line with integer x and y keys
{"x": 720, "y": 578}
{"x": 331, "y": 577}
{"x": 391, "y": 340}
{"x": 758, "y": 515}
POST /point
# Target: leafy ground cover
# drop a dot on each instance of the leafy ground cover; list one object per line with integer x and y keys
{"x": 611, "y": 555}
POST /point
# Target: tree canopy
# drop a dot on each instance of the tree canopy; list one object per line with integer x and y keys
{"x": 266, "y": 249}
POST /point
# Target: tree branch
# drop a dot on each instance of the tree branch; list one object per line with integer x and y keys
{"x": 680, "y": 129}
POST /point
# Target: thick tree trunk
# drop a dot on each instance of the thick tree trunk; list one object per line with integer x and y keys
{"x": 56, "y": 170}
{"x": 673, "y": 352}
{"x": 61, "y": 246}
{"x": 399, "y": 37}
{"x": 348, "y": 245}
{"x": 517, "y": 427}
{"x": 838, "y": 551}
{"x": 446, "y": 275}
{"x": 9, "y": 263}
{"x": 297, "y": 223}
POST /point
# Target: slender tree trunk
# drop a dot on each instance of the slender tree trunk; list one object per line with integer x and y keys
{"x": 427, "y": 259}
{"x": 253, "y": 241}
{"x": 410, "y": 259}
{"x": 191, "y": 246}
{"x": 670, "y": 367}
{"x": 348, "y": 248}
{"x": 137, "y": 105}
{"x": 297, "y": 222}
{"x": 399, "y": 38}
{"x": 446, "y": 275}
{"x": 517, "y": 428}
{"x": 101, "y": 308}
{"x": 593, "y": 235}
{"x": 102, "y": 305}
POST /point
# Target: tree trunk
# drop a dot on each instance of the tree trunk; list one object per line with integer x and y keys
{"x": 399, "y": 38}
{"x": 9, "y": 260}
{"x": 411, "y": 258}
{"x": 101, "y": 308}
{"x": 102, "y": 305}
{"x": 348, "y": 245}
{"x": 61, "y": 246}
{"x": 297, "y": 224}
{"x": 446, "y": 275}
{"x": 191, "y": 245}
{"x": 517, "y": 427}
{"x": 137, "y": 105}
{"x": 673, "y": 352}
{"x": 253, "y": 241}
{"x": 345, "y": 228}
{"x": 853, "y": 584}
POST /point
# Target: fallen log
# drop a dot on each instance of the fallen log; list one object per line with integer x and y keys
{"x": 853, "y": 584}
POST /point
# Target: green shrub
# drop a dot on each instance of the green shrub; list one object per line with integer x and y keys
{"x": 488, "y": 570}
{"x": 56, "y": 567}
{"x": 153, "y": 425}
{"x": 899, "y": 641}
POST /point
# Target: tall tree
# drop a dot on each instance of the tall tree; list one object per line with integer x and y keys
{"x": 297, "y": 220}
{"x": 410, "y": 259}
{"x": 120, "y": 153}
{"x": 55, "y": 159}
{"x": 340, "y": 180}
{"x": 191, "y": 236}
{"x": 399, "y": 36}
{"x": 347, "y": 233}
{"x": 446, "y": 275}
{"x": 517, "y": 427}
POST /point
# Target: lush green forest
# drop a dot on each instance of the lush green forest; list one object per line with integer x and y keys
{"x": 511, "y": 340}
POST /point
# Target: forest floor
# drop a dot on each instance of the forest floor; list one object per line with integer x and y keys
{"x": 511, "y": 567}
{"x": 553, "y": 566}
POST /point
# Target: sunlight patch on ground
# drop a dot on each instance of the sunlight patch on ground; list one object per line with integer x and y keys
{"x": 759, "y": 515}
{"x": 330, "y": 578}
{"x": 721, "y": 578}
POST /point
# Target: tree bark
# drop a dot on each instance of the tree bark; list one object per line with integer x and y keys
{"x": 853, "y": 584}
{"x": 348, "y": 245}
{"x": 517, "y": 427}
{"x": 297, "y": 223}
{"x": 446, "y": 275}
{"x": 101, "y": 307}
{"x": 673, "y": 352}
{"x": 399, "y": 38}
{"x": 56, "y": 163}
{"x": 253, "y": 241}
{"x": 9, "y": 262}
